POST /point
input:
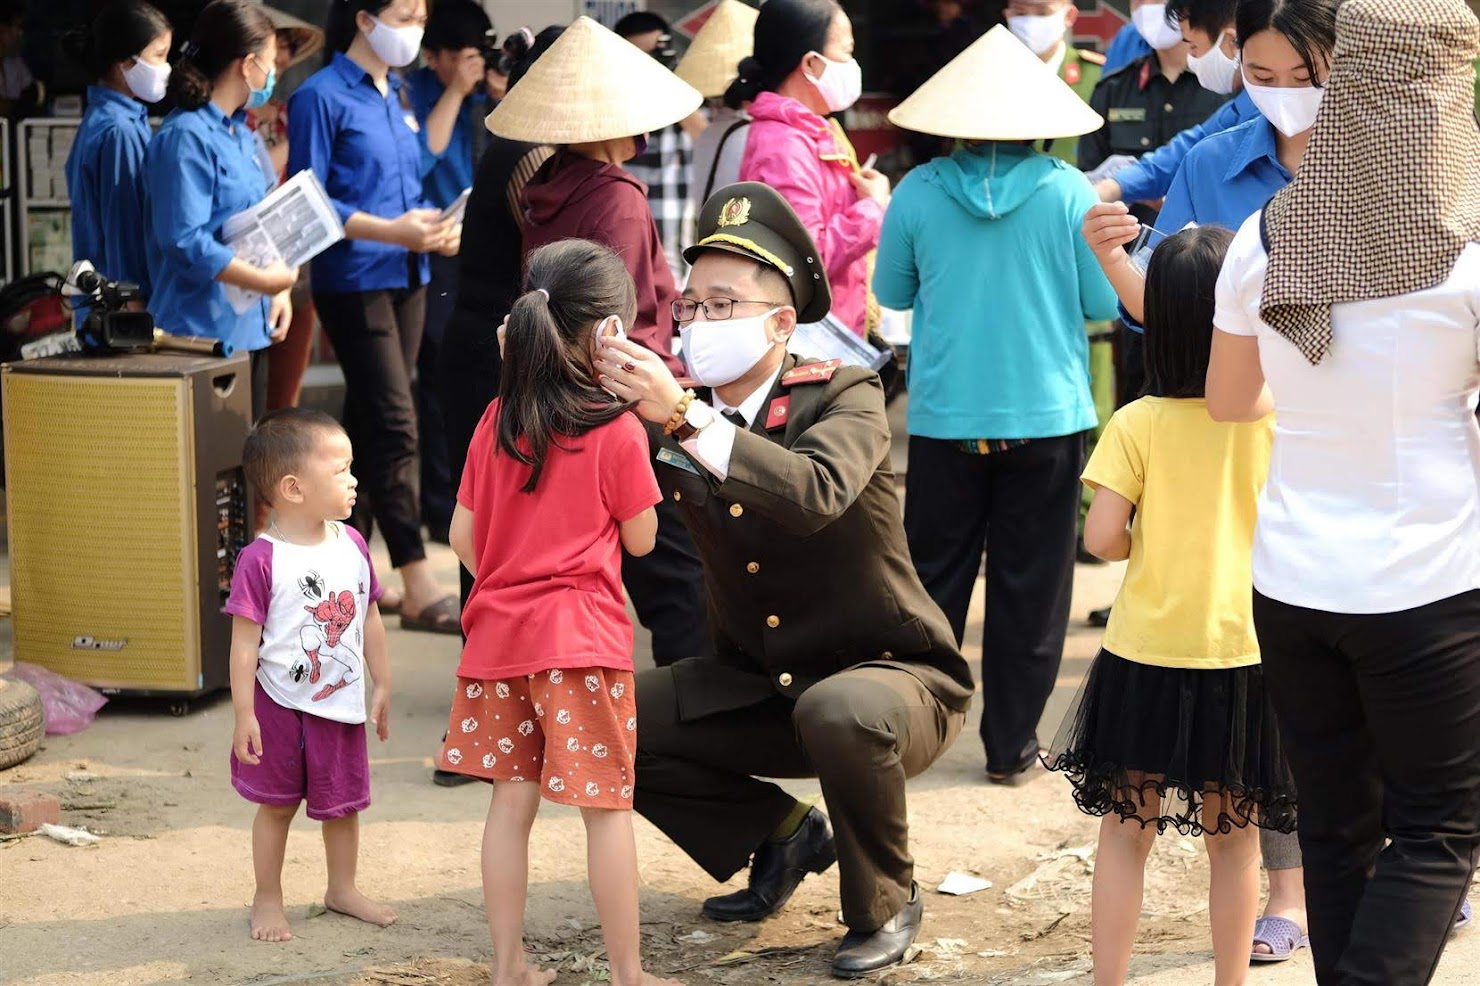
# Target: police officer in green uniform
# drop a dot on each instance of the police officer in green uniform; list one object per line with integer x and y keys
{"x": 832, "y": 660}
{"x": 1145, "y": 104}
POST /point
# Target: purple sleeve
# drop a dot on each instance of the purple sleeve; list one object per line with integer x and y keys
{"x": 375, "y": 590}
{"x": 251, "y": 583}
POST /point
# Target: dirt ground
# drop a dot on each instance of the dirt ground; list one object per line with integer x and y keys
{"x": 163, "y": 898}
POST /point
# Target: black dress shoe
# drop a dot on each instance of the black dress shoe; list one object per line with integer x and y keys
{"x": 776, "y": 871}
{"x": 446, "y": 778}
{"x": 863, "y": 952}
{"x": 1099, "y": 617}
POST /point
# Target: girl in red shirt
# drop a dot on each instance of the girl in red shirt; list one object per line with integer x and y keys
{"x": 558, "y": 480}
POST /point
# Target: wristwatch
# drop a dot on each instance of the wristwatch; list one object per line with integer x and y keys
{"x": 698, "y": 417}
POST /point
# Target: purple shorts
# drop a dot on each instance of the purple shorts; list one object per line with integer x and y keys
{"x": 305, "y": 757}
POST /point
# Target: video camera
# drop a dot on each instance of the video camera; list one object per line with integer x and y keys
{"x": 109, "y": 326}
{"x": 666, "y": 53}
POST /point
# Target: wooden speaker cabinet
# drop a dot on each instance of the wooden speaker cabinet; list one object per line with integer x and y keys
{"x": 127, "y": 507}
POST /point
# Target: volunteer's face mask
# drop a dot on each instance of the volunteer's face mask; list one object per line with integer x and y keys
{"x": 1151, "y": 21}
{"x": 146, "y": 80}
{"x": 257, "y": 98}
{"x": 840, "y": 84}
{"x": 1216, "y": 71}
{"x": 1291, "y": 111}
{"x": 1040, "y": 32}
{"x": 722, "y": 352}
{"x": 396, "y": 46}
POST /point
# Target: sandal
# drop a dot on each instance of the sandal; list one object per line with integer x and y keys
{"x": 1014, "y": 774}
{"x": 389, "y": 605}
{"x": 1466, "y": 915}
{"x": 442, "y": 616}
{"x": 1283, "y": 937}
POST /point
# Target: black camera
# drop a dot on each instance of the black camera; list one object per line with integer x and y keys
{"x": 665, "y": 52}
{"x": 109, "y": 326}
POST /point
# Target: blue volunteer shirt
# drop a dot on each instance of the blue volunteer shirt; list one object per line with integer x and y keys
{"x": 1125, "y": 47}
{"x": 366, "y": 149}
{"x": 105, "y": 179}
{"x": 448, "y": 173}
{"x": 1225, "y": 180}
{"x": 202, "y": 171}
{"x": 1149, "y": 178}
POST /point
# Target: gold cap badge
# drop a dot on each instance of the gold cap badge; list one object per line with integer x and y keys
{"x": 735, "y": 213}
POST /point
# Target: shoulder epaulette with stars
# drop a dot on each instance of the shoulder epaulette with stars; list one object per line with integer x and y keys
{"x": 811, "y": 373}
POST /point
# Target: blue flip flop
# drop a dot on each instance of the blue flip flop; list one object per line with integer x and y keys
{"x": 1283, "y": 937}
{"x": 1466, "y": 915}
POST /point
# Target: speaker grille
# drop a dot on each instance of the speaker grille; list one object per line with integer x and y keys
{"x": 102, "y": 514}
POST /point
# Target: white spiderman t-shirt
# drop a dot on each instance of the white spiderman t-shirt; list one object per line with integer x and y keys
{"x": 310, "y": 601}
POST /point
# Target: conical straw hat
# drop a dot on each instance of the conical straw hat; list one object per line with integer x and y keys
{"x": 307, "y": 39}
{"x": 592, "y": 85}
{"x": 996, "y": 90}
{"x": 713, "y": 59}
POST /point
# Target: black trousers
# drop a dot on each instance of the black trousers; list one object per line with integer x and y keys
{"x": 861, "y": 733}
{"x": 1381, "y": 720}
{"x": 376, "y": 336}
{"x": 1022, "y": 507}
{"x": 258, "y": 371}
{"x": 438, "y": 481}
{"x": 666, "y": 587}
{"x": 1130, "y": 365}
{"x": 468, "y": 375}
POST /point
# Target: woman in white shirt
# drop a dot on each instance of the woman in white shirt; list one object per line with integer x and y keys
{"x": 1351, "y": 307}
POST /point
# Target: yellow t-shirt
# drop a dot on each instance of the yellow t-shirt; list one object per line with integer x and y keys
{"x": 1187, "y": 597}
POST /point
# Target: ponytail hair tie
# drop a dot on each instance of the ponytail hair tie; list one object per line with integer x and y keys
{"x": 189, "y": 49}
{"x": 545, "y": 293}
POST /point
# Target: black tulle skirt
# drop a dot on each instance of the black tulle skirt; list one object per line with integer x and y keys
{"x": 1194, "y": 750}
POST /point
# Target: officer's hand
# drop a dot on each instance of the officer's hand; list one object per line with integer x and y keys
{"x": 1108, "y": 227}
{"x": 871, "y": 184}
{"x": 469, "y": 72}
{"x": 636, "y": 373}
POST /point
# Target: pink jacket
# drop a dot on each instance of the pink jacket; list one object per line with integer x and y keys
{"x": 808, "y": 160}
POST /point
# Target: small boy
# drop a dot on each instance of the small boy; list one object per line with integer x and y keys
{"x": 304, "y": 628}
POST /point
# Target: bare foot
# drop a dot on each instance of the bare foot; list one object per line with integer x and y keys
{"x": 269, "y": 923}
{"x": 644, "y": 979}
{"x": 357, "y": 905}
{"x": 531, "y": 975}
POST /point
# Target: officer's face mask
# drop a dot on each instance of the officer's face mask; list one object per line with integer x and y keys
{"x": 1217, "y": 71}
{"x": 1291, "y": 111}
{"x": 722, "y": 352}
{"x": 1151, "y": 23}
{"x": 1040, "y": 32}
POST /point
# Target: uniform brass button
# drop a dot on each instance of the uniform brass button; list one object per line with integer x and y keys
{"x": 1145, "y": 141}
{"x": 678, "y": 494}
{"x": 1169, "y": 107}
{"x": 887, "y": 656}
{"x": 784, "y": 679}
{"x": 773, "y": 622}
{"x": 753, "y": 567}
{"x": 736, "y": 510}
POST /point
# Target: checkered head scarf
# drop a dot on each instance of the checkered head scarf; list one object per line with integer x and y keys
{"x": 1388, "y": 193}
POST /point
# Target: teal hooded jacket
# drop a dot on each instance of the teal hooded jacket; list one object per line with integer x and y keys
{"x": 985, "y": 247}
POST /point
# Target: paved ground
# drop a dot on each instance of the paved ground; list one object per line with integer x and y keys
{"x": 163, "y": 898}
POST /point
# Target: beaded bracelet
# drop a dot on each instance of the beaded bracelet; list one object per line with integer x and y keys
{"x": 676, "y": 420}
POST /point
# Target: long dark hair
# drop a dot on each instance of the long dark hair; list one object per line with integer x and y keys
{"x": 1208, "y": 16}
{"x": 1180, "y": 285}
{"x": 520, "y": 52}
{"x": 1309, "y": 26}
{"x": 121, "y": 30}
{"x": 225, "y": 31}
{"x": 547, "y": 389}
{"x": 785, "y": 32}
{"x": 340, "y": 29}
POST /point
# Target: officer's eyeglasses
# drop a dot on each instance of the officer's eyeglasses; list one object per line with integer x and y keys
{"x": 715, "y": 309}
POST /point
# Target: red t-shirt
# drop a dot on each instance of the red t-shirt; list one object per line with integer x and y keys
{"x": 548, "y": 589}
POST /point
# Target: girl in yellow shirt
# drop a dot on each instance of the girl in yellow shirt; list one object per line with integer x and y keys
{"x": 1172, "y": 727}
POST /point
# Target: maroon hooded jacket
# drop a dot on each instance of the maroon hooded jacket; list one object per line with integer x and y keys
{"x": 575, "y": 197}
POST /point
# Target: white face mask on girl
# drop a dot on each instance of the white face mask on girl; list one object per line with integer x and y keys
{"x": 1291, "y": 111}
{"x": 722, "y": 352}
{"x": 396, "y": 46}
{"x": 1151, "y": 21}
{"x": 1040, "y": 32}
{"x": 147, "y": 81}
{"x": 840, "y": 85}
{"x": 1215, "y": 71}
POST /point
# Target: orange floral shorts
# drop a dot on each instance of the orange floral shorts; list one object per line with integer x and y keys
{"x": 571, "y": 730}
